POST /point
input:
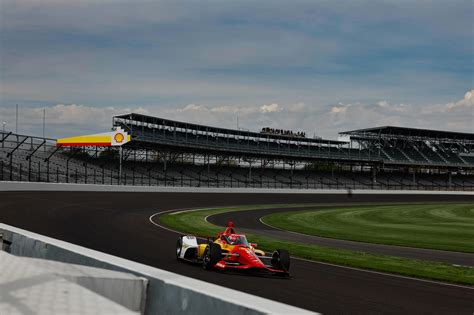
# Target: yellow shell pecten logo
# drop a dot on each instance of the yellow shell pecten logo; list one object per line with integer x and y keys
{"x": 119, "y": 137}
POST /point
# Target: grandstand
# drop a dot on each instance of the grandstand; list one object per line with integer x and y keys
{"x": 412, "y": 146}
{"x": 172, "y": 153}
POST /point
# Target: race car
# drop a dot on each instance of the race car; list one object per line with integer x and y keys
{"x": 231, "y": 251}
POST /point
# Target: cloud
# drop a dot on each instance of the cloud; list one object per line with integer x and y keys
{"x": 319, "y": 119}
{"x": 341, "y": 109}
{"x": 272, "y": 108}
{"x": 63, "y": 119}
{"x": 165, "y": 52}
{"x": 193, "y": 108}
{"x": 467, "y": 102}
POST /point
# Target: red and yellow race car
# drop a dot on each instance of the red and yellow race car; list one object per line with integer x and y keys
{"x": 231, "y": 251}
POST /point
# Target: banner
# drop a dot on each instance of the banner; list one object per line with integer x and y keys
{"x": 117, "y": 137}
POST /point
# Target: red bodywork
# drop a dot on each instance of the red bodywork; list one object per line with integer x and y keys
{"x": 243, "y": 256}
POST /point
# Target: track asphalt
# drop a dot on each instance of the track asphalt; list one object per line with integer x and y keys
{"x": 118, "y": 224}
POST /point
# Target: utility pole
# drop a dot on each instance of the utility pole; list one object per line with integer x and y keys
{"x": 44, "y": 125}
{"x": 16, "y": 124}
{"x": 3, "y": 134}
{"x": 120, "y": 166}
{"x": 16, "y": 119}
{"x": 44, "y": 121}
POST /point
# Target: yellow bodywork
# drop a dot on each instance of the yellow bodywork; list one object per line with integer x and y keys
{"x": 225, "y": 247}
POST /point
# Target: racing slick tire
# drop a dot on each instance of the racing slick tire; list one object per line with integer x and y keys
{"x": 179, "y": 247}
{"x": 281, "y": 260}
{"x": 212, "y": 255}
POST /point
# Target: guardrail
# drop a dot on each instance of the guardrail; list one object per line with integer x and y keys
{"x": 168, "y": 293}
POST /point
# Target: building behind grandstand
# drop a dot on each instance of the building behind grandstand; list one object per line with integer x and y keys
{"x": 173, "y": 153}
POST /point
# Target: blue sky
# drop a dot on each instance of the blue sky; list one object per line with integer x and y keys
{"x": 188, "y": 59}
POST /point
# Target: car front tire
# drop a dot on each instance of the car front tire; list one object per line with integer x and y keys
{"x": 212, "y": 255}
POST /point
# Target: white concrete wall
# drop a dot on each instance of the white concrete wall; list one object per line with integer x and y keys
{"x": 33, "y": 186}
{"x": 168, "y": 293}
{"x": 40, "y": 286}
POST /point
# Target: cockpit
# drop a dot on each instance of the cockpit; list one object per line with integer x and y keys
{"x": 235, "y": 240}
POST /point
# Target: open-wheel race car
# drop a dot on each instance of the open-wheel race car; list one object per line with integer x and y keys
{"x": 231, "y": 251}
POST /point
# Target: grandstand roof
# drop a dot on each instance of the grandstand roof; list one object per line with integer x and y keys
{"x": 247, "y": 133}
{"x": 412, "y": 132}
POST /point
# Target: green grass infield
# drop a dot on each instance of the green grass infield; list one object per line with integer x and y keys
{"x": 193, "y": 222}
{"x": 435, "y": 226}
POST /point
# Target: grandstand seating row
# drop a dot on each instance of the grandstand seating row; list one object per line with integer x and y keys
{"x": 63, "y": 168}
{"x": 417, "y": 152}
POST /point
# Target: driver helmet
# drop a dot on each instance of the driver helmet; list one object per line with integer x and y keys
{"x": 233, "y": 239}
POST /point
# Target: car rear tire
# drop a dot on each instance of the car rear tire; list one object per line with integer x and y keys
{"x": 179, "y": 247}
{"x": 281, "y": 260}
{"x": 212, "y": 255}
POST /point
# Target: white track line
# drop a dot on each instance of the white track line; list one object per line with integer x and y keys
{"x": 175, "y": 211}
{"x": 161, "y": 226}
{"x": 317, "y": 262}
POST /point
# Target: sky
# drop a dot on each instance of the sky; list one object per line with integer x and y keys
{"x": 316, "y": 66}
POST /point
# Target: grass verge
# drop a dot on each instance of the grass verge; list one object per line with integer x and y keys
{"x": 435, "y": 226}
{"x": 193, "y": 222}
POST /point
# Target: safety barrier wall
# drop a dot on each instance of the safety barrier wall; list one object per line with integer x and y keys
{"x": 168, "y": 293}
{"x": 32, "y": 186}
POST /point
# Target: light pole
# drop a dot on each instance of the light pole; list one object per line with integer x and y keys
{"x": 120, "y": 166}
{"x": 44, "y": 121}
{"x": 16, "y": 119}
{"x": 3, "y": 134}
{"x": 44, "y": 124}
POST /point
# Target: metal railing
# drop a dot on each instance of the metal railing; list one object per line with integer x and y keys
{"x": 34, "y": 159}
{"x": 45, "y": 173}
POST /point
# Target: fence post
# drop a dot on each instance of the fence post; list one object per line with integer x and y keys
{"x": 47, "y": 171}
{"x": 11, "y": 167}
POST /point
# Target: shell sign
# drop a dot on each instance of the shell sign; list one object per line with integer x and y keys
{"x": 117, "y": 137}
